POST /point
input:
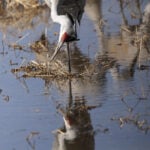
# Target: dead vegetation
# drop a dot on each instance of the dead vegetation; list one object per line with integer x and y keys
{"x": 141, "y": 40}
{"x": 133, "y": 115}
{"x": 19, "y": 14}
{"x": 57, "y": 69}
{"x": 141, "y": 124}
{"x": 139, "y": 36}
{"x": 27, "y": 4}
{"x": 53, "y": 70}
{"x": 43, "y": 69}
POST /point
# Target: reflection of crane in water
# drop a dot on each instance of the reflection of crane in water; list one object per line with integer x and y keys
{"x": 68, "y": 23}
{"x": 77, "y": 130}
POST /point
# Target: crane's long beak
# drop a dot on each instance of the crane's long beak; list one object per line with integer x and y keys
{"x": 56, "y": 50}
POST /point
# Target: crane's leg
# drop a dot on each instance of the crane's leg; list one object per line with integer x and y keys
{"x": 69, "y": 60}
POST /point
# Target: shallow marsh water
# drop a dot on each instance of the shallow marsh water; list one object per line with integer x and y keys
{"x": 119, "y": 95}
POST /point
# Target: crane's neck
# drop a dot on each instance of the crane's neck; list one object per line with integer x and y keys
{"x": 54, "y": 13}
{"x": 61, "y": 19}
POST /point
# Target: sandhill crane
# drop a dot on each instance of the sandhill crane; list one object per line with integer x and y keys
{"x": 67, "y": 21}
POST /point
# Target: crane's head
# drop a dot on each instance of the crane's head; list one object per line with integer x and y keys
{"x": 67, "y": 33}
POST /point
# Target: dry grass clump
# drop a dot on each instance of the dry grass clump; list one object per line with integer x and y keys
{"x": 27, "y": 4}
{"x": 42, "y": 67}
{"x": 58, "y": 70}
{"x": 19, "y": 14}
{"x": 55, "y": 69}
{"x": 46, "y": 69}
